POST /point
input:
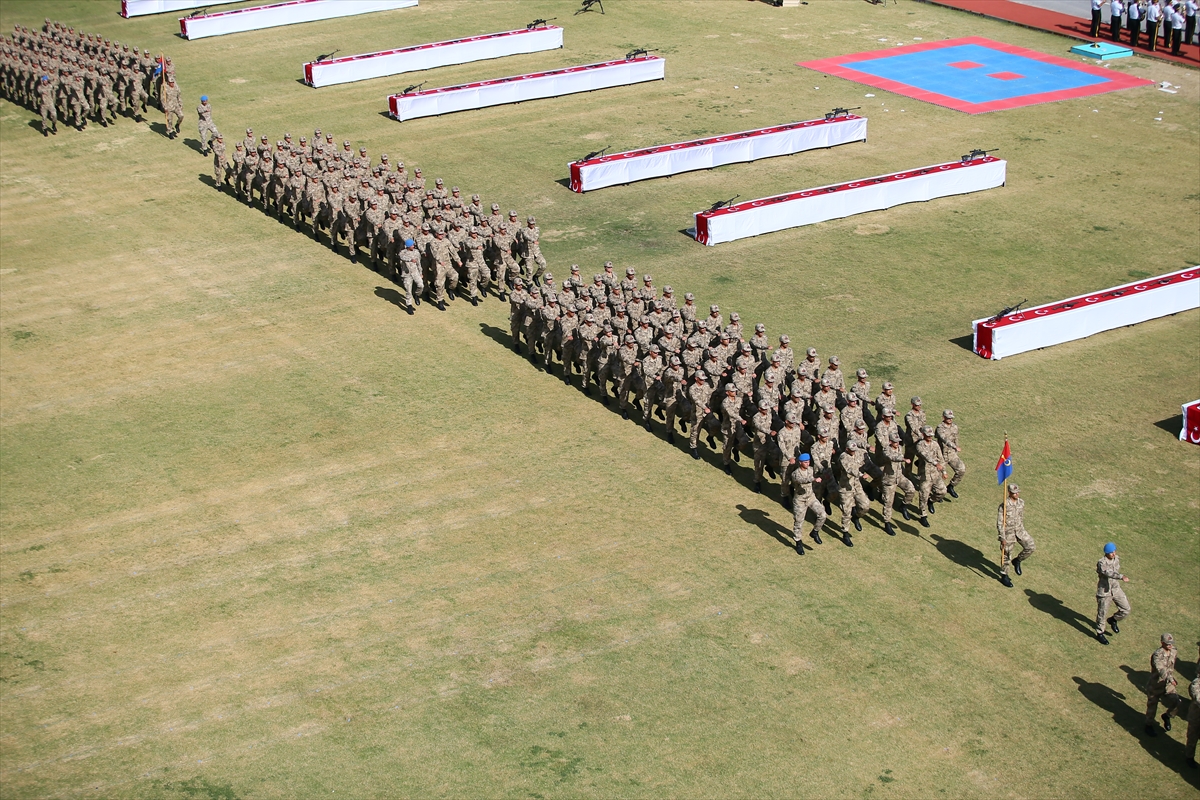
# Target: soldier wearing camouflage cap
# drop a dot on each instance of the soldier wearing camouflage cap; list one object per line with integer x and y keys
{"x": 947, "y": 436}
{"x": 1010, "y": 529}
{"x": 892, "y": 461}
{"x": 1162, "y": 686}
{"x": 932, "y": 472}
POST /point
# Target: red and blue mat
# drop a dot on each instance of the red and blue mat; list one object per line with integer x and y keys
{"x": 974, "y": 74}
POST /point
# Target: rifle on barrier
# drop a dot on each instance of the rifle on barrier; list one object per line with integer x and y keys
{"x": 587, "y": 6}
{"x": 639, "y": 51}
{"x": 974, "y": 154}
{"x": 596, "y": 154}
{"x": 328, "y": 56}
{"x": 717, "y": 206}
{"x": 840, "y": 112}
{"x": 1009, "y": 310}
{"x": 416, "y": 87}
{"x": 539, "y": 23}
{"x": 200, "y": 12}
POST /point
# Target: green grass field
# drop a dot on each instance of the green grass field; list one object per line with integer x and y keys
{"x": 265, "y": 535}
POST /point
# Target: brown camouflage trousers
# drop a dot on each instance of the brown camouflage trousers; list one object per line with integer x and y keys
{"x": 1119, "y": 600}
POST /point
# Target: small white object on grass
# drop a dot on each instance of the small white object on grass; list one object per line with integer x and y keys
{"x": 868, "y": 95}
{"x": 737, "y": 87}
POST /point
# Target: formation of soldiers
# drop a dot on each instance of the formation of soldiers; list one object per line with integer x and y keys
{"x": 826, "y": 437}
{"x": 75, "y": 77}
{"x": 431, "y": 240}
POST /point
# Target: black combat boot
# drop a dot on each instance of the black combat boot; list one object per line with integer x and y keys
{"x": 932, "y": 510}
{"x": 951, "y": 492}
{"x": 857, "y": 524}
{"x": 758, "y": 487}
{"x": 799, "y": 549}
{"x": 1112, "y": 623}
{"x": 924, "y": 522}
{"x": 888, "y": 529}
{"x": 904, "y": 511}
{"x": 816, "y": 535}
{"x": 1017, "y": 566}
{"x": 1100, "y": 637}
{"x": 1007, "y": 581}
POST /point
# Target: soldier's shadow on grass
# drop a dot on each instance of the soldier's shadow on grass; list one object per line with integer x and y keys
{"x": 762, "y": 520}
{"x": 964, "y": 555}
{"x": 1163, "y": 747}
{"x": 391, "y": 295}
{"x": 195, "y": 145}
{"x": 497, "y": 335}
{"x": 1049, "y": 604}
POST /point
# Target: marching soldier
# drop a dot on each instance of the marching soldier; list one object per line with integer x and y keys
{"x": 1108, "y": 590}
{"x": 208, "y": 130}
{"x": 1010, "y": 529}
{"x": 220, "y": 161}
{"x": 1162, "y": 684}
{"x": 804, "y": 499}
{"x": 932, "y": 474}
{"x": 172, "y": 103}
{"x": 410, "y": 274}
{"x": 1193, "y": 728}
{"x": 947, "y": 436}
{"x": 892, "y": 462}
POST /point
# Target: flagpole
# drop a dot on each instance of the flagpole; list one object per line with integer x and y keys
{"x": 1003, "y": 511}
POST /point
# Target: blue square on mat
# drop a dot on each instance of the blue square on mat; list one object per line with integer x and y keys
{"x": 975, "y": 74}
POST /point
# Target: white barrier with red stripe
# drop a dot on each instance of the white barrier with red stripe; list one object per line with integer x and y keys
{"x": 272, "y": 16}
{"x": 427, "y": 56}
{"x": 715, "y": 151}
{"x": 140, "y": 8}
{"x": 1087, "y": 314}
{"x": 823, "y": 203}
{"x": 520, "y": 88}
{"x": 1190, "y": 432}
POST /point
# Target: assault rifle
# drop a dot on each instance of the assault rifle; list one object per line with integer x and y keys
{"x": 595, "y": 154}
{"x": 1009, "y": 310}
{"x": 974, "y": 154}
{"x": 639, "y": 51}
{"x": 200, "y": 12}
{"x": 840, "y": 112}
{"x": 539, "y": 23}
{"x": 416, "y": 87}
{"x": 587, "y": 6}
{"x": 723, "y": 203}
{"x": 328, "y": 56}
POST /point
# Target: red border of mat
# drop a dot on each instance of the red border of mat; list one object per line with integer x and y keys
{"x": 836, "y": 66}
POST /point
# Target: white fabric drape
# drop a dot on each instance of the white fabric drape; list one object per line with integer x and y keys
{"x": 428, "y": 56}
{"x": 259, "y": 17}
{"x": 139, "y": 8}
{"x": 671, "y": 159}
{"x": 520, "y": 88}
{"x": 1087, "y": 314}
{"x": 843, "y": 200}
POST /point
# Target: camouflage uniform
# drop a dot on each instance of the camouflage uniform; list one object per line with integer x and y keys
{"x": 172, "y": 103}
{"x": 932, "y": 473}
{"x": 804, "y": 499}
{"x": 206, "y": 127}
{"x": 892, "y": 458}
{"x": 410, "y": 274}
{"x": 1010, "y": 529}
{"x": 1162, "y": 684}
{"x": 947, "y": 436}
{"x": 1108, "y": 590}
